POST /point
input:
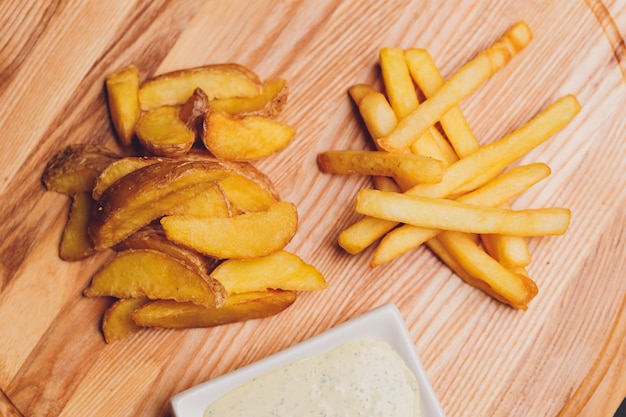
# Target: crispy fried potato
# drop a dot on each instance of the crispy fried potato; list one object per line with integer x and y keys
{"x": 504, "y": 187}
{"x": 444, "y": 214}
{"x": 244, "y": 137}
{"x": 74, "y": 169}
{"x": 457, "y": 87}
{"x": 117, "y": 169}
{"x": 123, "y": 99}
{"x": 210, "y": 203}
{"x": 398, "y": 83}
{"x": 75, "y": 242}
{"x": 217, "y": 81}
{"x": 236, "y": 308}
{"x": 473, "y": 171}
{"x": 510, "y": 251}
{"x": 247, "y": 235}
{"x": 514, "y": 289}
{"x": 428, "y": 78}
{"x": 279, "y": 271}
{"x": 153, "y": 237}
{"x": 247, "y": 188}
{"x": 412, "y": 168}
{"x": 269, "y": 103}
{"x": 193, "y": 111}
{"x": 146, "y": 194}
{"x": 162, "y": 133}
{"x": 138, "y": 273}
{"x": 117, "y": 322}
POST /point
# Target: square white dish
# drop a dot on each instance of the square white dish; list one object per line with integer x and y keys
{"x": 382, "y": 323}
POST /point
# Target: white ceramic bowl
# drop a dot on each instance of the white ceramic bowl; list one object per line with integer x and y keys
{"x": 383, "y": 323}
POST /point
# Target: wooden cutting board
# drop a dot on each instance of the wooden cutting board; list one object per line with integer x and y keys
{"x": 564, "y": 356}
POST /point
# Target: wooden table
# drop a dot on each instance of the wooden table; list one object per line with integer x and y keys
{"x": 564, "y": 356}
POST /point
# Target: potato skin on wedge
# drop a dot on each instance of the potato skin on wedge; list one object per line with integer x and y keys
{"x": 153, "y": 237}
{"x": 237, "y": 307}
{"x": 117, "y": 322}
{"x": 138, "y": 273}
{"x": 74, "y": 168}
{"x": 75, "y": 242}
{"x": 247, "y": 235}
{"x": 146, "y": 194}
{"x": 217, "y": 81}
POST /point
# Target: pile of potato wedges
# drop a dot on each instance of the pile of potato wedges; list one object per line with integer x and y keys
{"x": 199, "y": 233}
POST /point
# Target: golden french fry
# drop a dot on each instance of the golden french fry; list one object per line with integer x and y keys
{"x": 244, "y": 137}
{"x": 162, "y": 133}
{"x": 504, "y": 187}
{"x": 217, "y": 81}
{"x": 123, "y": 99}
{"x": 427, "y": 77}
{"x": 398, "y": 84}
{"x": 444, "y": 214}
{"x": 479, "y": 167}
{"x": 246, "y": 235}
{"x": 138, "y": 273}
{"x": 412, "y": 168}
{"x": 377, "y": 114}
{"x": 510, "y": 251}
{"x": 458, "y": 87}
{"x": 509, "y": 287}
{"x": 237, "y": 307}
{"x": 279, "y": 271}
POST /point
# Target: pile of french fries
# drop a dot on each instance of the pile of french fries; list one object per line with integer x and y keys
{"x": 199, "y": 233}
{"x": 434, "y": 183}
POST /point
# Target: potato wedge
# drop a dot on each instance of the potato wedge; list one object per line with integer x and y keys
{"x": 153, "y": 237}
{"x": 117, "y": 322}
{"x": 444, "y": 214}
{"x": 210, "y": 203}
{"x": 247, "y": 188}
{"x": 412, "y": 168}
{"x": 193, "y": 111}
{"x": 162, "y": 133}
{"x": 74, "y": 169}
{"x": 146, "y": 194}
{"x": 279, "y": 271}
{"x": 236, "y": 308}
{"x": 138, "y": 273}
{"x": 244, "y": 137}
{"x": 123, "y": 99}
{"x": 75, "y": 242}
{"x": 117, "y": 169}
{"x": 217, "y": 81}
{"x": 269, "y": 103}
{"x": 247, "y": 235}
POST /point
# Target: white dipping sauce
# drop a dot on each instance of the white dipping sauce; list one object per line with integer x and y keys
{"x": 360, "y": 378}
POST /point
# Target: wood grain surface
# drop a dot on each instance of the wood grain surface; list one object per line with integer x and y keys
{"x": 564, "y": 356}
